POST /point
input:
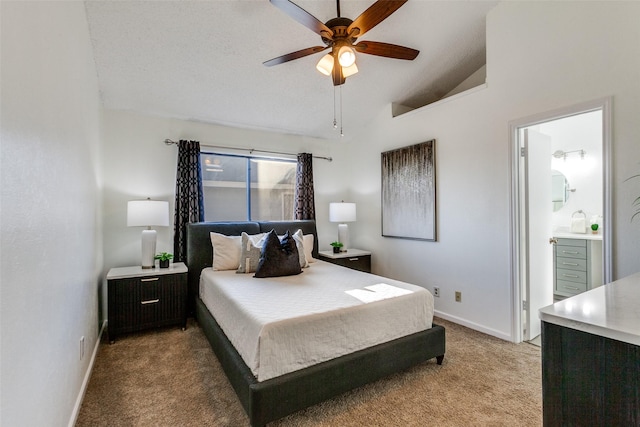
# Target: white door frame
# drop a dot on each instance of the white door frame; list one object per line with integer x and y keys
{"x": 516, "y": 226}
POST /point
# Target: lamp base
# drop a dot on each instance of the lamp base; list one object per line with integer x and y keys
{"x": 148, "y": 248}
{"x": 343, "y": 236}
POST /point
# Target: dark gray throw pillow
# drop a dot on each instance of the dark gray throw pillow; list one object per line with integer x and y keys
{"x": 278, "y": 257}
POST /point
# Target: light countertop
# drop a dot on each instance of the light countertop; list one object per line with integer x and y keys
{"x": 611, "y": 311}
{"x": 138, "y": 271}
{"x": 564, "y": 233}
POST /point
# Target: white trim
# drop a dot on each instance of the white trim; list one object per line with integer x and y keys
{"x": 603, "y": 104}
{"x": 464, "y": 93}
{"x": 87, "y": 377}
{"x": 472, "y": 325}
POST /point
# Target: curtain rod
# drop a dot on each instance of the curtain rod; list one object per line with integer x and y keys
{"x": 251, "y": 150}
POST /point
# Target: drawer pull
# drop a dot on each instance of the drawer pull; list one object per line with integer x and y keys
{"x": 151, "y": 279}
{"x": 570, "y": 275}
{"x": 151, "y": 301}
{"x": 571, "y": 252}
{"x": 570, "y": 263}
{"x": 572, "y": 287}
{"x": 354, "y": 259}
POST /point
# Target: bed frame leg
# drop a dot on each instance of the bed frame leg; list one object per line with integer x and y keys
{"x": 439, "y": 359}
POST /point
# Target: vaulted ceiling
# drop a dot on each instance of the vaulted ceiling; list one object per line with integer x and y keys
{"x": 202, "y": 60}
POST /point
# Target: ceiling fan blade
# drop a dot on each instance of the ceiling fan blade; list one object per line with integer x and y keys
{"x": 386, "y": 49}
{"x": 376, "y": 13}
{"x": 303, "y": 17}
{"x": 294, "y": 55}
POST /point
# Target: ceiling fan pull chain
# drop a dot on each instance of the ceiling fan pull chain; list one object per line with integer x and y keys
{"x": 335, "y": 123}
{"x": 341, "y": 133}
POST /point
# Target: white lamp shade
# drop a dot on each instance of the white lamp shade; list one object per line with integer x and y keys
{"x": 346, "y": 56}
{"x": 325, "y": 65}
{"x": 342, "y": 212}
{"x": 147, "y": 213}
{"x": 349, "y": 71}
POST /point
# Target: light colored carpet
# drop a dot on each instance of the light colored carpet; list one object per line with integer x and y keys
{"x": 172, "y": 378}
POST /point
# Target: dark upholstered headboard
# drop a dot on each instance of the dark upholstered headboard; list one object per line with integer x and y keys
{"x": 200, "y": 250}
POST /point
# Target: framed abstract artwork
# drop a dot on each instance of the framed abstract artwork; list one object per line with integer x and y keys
{"x": 409, "y": 192}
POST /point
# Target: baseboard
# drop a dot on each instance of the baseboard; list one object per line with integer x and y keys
{"x": 87, "y": 377}
{"x": 473, "y": 325}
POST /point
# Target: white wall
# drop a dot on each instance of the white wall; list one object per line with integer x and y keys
{"x": 541, "y": 56}
{"x": 51, "y": 216}
{"x": 137, "y": 164}
{"x": 581, "y": 132}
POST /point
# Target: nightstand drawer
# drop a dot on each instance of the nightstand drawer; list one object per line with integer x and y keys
{"x": 362, "y": 263}
{"x": 354, "y": 258}
{"x": 157, "y": 298}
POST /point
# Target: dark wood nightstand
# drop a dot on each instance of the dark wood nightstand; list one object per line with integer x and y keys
{"x": 146, "y": 298}
{"x": 356, "y": 259}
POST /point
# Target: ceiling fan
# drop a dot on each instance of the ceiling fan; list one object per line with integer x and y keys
{"x": 340, "y": 34}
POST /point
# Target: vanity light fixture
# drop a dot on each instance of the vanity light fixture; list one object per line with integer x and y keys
{"x": 560, "y": 154}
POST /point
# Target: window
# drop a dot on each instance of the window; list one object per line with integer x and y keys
{"x": 238, "y": 188}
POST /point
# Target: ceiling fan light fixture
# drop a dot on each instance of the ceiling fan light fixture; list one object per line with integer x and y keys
{"x": 325, "y": 65}
{"x": 346, "y": 56}
{"x": 349, "y": 71}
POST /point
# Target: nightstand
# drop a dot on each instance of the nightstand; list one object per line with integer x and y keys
{"x": 146, "y": 298}
{"x": 356, "y": 259}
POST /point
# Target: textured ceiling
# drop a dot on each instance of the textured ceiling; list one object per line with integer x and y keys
{"x": 202, "y": 60}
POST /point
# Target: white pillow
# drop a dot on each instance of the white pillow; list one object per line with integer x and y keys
{"x": 226, "y": 251}
{"x": 250, "y": 251}
{"x": 299, "y": 239}
{"x": 308, "y": 248}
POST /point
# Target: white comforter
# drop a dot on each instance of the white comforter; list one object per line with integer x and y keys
{"x": 282, "y": 324}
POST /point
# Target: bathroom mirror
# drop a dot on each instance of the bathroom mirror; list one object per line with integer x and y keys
{"x": 559, "y": 190}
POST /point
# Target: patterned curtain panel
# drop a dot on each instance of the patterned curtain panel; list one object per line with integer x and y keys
{"x": 305, "y": 201}
{"x": 189, "y": 195}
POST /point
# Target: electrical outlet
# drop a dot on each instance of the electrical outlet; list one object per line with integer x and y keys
{"x": 436, "y": 292}
{"x": 81, "y": 348}
{"x": 458, "y": 296}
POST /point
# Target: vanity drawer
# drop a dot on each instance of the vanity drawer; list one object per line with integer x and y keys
{"x": 572, "y": 276}
{"x": 572, "y": 242}
{"x": 571, "y": 263}
{"x": 571, "y": 251}
{"x": 566, "y": 288}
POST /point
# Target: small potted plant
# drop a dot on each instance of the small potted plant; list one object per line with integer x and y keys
{"x": 594, "y": 228}
{"x": 164, "y": 259}
{"x": 337, "y": 246}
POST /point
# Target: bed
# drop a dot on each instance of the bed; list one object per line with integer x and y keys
{"x": 272, "y": 398}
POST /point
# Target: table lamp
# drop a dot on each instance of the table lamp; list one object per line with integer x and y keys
{"x": 342, "y": 212}
{"x": 148, "y": 213}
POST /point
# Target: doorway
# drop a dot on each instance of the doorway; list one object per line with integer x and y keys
{"x": 568, "y": 147}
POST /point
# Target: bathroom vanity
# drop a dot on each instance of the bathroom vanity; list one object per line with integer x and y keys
{"x": 577, "y": 263}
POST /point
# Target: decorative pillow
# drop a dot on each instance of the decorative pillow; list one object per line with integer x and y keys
{"x": 278, "y": 258}
{"x": 308, "y": 248}
{"x": 299, "y": 238}
{"x": 250, "y": 251}
{"x": 226, "y": 251}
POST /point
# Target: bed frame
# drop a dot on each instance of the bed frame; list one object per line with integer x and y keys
{"x": 275, "y": 398}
